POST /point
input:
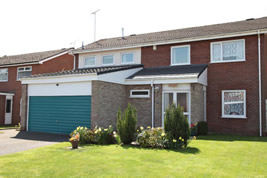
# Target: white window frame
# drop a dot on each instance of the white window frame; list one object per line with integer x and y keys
{"x": 127, "y": 62}
{"x": 221, "y": 43}
{"x": 4, "y": 73}
{"x": 89, "y": 57}
{"x": 110, "y": 63}
{"x": 23, "y": 71}
{"x": 245, "y": 105}
{"x": 189, "y": 55}
{"x": 139, "y": 96}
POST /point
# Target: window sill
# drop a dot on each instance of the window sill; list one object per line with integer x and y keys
{"x": 4, "y": 81}
{"x": 232, "y": 117}
{"x": 133, "y": 97}
{"x": 218, "y": 62}
{"x": 180, "y": 64}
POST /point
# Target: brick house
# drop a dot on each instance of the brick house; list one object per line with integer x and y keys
{"x": 216, "y": 72}
{"x": 13, "y": 68}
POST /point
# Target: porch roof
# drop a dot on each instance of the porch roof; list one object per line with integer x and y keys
{"x": 6, "y": 93}
{"x": 170, "y": 71}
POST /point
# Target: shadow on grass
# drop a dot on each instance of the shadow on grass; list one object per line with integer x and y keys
{"x": 188, "y": 150}
{"x": 231, "y": 138}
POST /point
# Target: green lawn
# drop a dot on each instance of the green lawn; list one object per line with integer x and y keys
{"x": 208, "y": 156}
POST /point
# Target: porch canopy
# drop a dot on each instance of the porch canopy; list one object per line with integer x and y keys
{"x": 7, "y": 93}
{"x": 195, "y": 73}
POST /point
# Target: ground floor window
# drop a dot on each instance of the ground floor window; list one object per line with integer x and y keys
{"x": 178, "y": 98}
{"x": 234, "y": 103}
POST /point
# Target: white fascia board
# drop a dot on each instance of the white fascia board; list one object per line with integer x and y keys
{"x": 119, "y": 76}
{"x": 203, "y": 78}
{"x": 60, "y": 79}
{"x": 166, "y": 76}
{"x": 161, "y": 81}
{"x": 210, "y": 37}
{"x": 60, "y": 54}
{"x": 7, "y": 94}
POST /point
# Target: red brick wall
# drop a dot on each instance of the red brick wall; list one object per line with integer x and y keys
{"x": 221, "y": 76}
{"x": 64, "y": 62}
{"x": 2, "y": 109}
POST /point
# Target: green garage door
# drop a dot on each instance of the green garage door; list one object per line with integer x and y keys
{"x": 59, "y": 114}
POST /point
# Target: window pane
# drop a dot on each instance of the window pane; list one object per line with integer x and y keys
{"x": 168, "y": 100}
{"x": 233, "y": 50}
{"x": 108, "y": 59}
{"x": 233, "y": 96}
{"x": 127, "y": 58}
{"x": 8, "y": 106}
{"x": 182, "y": 101}
{"x": 216, "y": 52}
{"x": 140, "y": 93}
{"x": 90, "y": 61}
{"x": 234, "y": 109}
{"x": 24, "y": 74}
{"x": 3, "y": 74}
{"x": 180, "y": 55}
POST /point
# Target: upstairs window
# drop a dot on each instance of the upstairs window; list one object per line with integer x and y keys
{"x": 180, "y": 55}
{"x": 228, "y": 51}
{"x": 108, "y": 60}
{"x": 3, "y": 75}
{"x": 89, "y": 61}
{"x": 24, "y": 72}
{"x": 234, "y": 103}
{"x": 127, "y": 58}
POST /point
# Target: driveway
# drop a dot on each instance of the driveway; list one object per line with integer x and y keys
{"x": 12, "y": 141}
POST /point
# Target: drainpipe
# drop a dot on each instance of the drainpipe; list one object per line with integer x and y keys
{"x": 74, "y": 62}
{"x": 152, "y": 96}
{"x": 260, "y": 102}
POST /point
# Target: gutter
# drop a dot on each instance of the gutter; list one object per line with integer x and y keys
{"x": 260, "y": 99}
{"x": 210, "y": 37}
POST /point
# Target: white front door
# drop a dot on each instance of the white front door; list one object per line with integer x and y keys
{"x": 8, "y": 109}
{"x": 181, "y": 98}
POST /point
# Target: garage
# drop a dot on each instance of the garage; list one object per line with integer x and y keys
{"x": 59, "y": 114}
{"x": 59, "y": 107}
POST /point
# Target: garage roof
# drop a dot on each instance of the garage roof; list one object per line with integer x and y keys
{"x": 91, "y": 70}
{"x": 170, "y": 70}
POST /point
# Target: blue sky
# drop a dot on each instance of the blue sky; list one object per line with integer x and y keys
{"x": 31, "y": 25}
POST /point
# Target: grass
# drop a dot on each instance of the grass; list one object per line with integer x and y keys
{"x": 208, "y": 156}
{"x": 3, "y": 127}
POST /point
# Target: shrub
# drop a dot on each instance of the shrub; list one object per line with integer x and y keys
{"x": 193, "y": 129}
{"x": 202, "y": 128}
{"x": 154, "y": 138}
{"x": 176, "y": 127}
{"x": 126, "y": 124}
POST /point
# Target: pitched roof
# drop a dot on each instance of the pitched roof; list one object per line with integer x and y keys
{"x": 31, "y": 57}
{"x": 92, "y": 70}
{"x": 179, "y": 34}
{"x": 170, "y": 70}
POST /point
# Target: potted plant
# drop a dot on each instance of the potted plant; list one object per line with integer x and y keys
{"x": 74, "y": 140}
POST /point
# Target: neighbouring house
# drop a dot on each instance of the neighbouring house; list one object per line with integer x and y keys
{"x": 217, "y": 73}
{"x": 13, "y": 68}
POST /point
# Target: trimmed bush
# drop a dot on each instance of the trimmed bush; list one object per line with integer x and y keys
{"x": 126, "y": 124}
{"x": 202, "y": 128}
{"x": 176, "y": 127}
